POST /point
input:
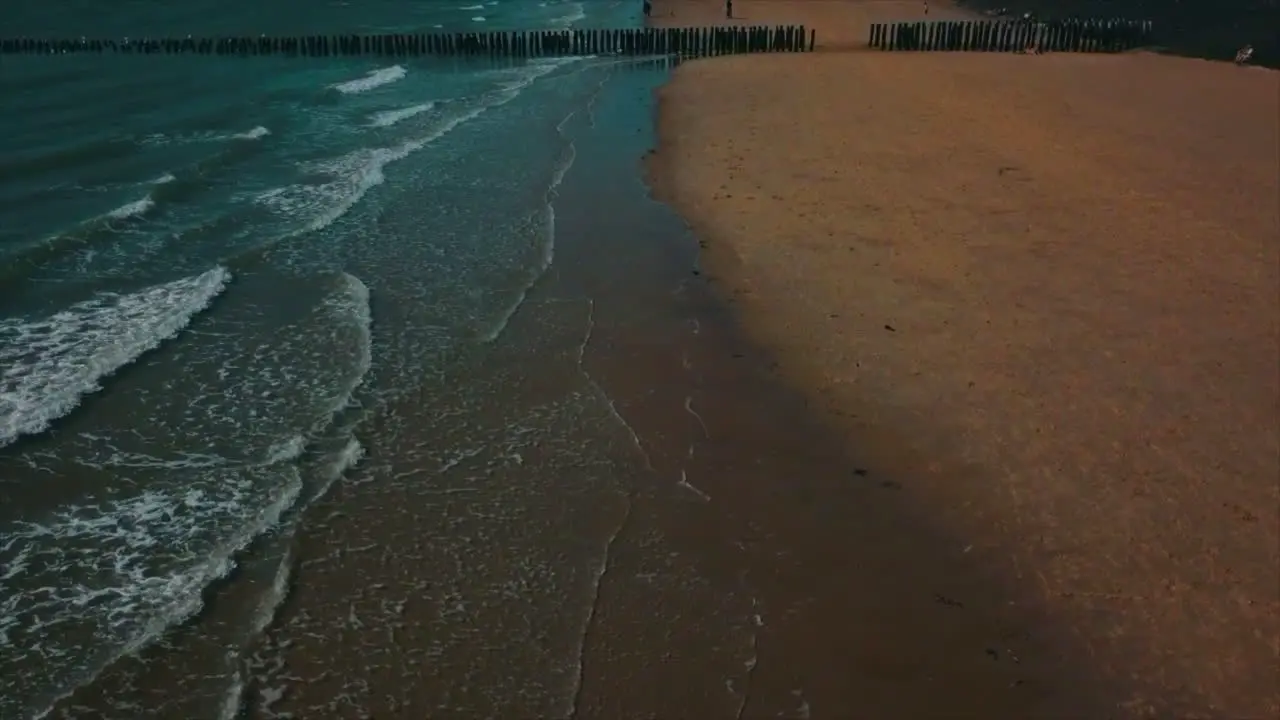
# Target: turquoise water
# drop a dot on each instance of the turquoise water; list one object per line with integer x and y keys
{"x": 229, "y": 286}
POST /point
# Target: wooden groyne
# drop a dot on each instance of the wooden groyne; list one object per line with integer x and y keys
{"x": 1012, "y": 35}
{"x": 683, "y": 41}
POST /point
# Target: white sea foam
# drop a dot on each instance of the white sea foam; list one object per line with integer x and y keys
{"x": 351, "y": 307}
{"x": 478, "y": 18}
{"x": 336, "y": 465}
{"x": 145, "y": 559}
{"x": 133, "y": 209}
{"x": 275, "y": 595}
{"x": 286, "y": 450}
{"x": 387, "y": 118}
{"x": 374, "y": 79}
{"x": 352, "y": 304}
{"x": 164, "y": 179}
{"x": 472, "y": 7}
{"x": 47, "y": 365}
{"x": 233, "y": 698}
{"x": 106, "y": 575}
{"x": 203, "y": 136}
{"x": 254, "y": 134}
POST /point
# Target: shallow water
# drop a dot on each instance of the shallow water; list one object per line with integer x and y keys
{"x": 227, "y": 284}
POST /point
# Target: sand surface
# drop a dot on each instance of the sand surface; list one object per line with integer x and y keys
{"x": 1040, "y": 293}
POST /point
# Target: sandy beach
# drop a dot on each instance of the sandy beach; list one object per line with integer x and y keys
{"x": 1038, "y": 297}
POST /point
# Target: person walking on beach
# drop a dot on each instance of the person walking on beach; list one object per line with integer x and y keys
{"x": 648, "y": 8}
{"x": 728, "y": 9}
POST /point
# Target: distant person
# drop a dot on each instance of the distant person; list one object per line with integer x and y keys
{"x": 648, "y": 8}
{"x": 926, "y": 7}
{"x": 728, "y": 8}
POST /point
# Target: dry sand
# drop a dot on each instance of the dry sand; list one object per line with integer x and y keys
{"x": 1043, "y": 294}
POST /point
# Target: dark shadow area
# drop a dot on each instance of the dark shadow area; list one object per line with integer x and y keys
{"x": 1209, "y": 29}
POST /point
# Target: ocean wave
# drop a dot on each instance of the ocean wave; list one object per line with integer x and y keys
{"x": 254, "y": 134}
{"x": 351, "y": 304}
{"x": 130, "y": 219}
{"x": 127, "y": 598}
{"x": 205, "y": 136}
{"x": 136, "y": 208}
{"x": 387, "y": 118}
{"x": 47, "y": 365}
{"x": 81, "y": 239}
{"x": 548, "y": 248}
{"x": 248, "y": 416}
{"x": 116, "y": 243}
{"x": 347, "y": 179}
{"x": 373, "y": 79}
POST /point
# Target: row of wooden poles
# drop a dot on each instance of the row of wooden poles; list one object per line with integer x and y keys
{"x": 1013, "y": 35}
{"x": 687, "y": 41}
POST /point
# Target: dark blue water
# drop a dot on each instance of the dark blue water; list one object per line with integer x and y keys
{"x": 228, "y": 285}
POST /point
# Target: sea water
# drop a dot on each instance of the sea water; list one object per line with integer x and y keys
{"x": 228, "y": 283}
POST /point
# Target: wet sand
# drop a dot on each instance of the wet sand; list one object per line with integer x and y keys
{"x": 697, "y": 544}
{"x": 1034, "y": 302}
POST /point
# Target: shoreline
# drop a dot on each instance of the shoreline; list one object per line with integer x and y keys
{"x": 1122, "y": 594}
